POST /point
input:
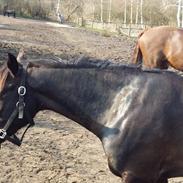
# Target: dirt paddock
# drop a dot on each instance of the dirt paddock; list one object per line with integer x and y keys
{"x": 57, "y": 150}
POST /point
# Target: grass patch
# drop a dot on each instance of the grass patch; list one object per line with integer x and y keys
{"x": 104, "y": 33}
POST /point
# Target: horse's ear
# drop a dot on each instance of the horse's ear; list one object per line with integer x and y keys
{"x": 12, "y": 64}
{"x": 21, "y": 55}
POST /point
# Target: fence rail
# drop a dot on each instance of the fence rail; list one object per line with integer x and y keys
{"x": 131, "y": 30}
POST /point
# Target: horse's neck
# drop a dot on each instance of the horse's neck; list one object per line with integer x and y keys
{"x": 83, "y": 95}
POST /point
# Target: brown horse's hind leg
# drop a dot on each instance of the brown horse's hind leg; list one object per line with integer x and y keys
{"x": 160, "y": 60}
{"x": 163, "y": 64}
{"x": 156, "y": 60}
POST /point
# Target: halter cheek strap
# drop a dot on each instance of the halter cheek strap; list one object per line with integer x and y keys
{"x": 20, "y": 104}
{"x": 18, "y": 112}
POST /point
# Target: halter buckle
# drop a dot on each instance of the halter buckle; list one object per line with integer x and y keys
{"x": 3, "y": 133}
{"x": 21, "y": 90}
{"x": 18, "y": 104}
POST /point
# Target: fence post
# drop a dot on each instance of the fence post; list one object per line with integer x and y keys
{"x": 129, "y": 32}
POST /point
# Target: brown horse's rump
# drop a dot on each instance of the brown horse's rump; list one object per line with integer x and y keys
{"x": 160, "y": 47}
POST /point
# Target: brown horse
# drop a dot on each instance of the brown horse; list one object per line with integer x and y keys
{"x": 160, "y": 47}
{"x": 137, "y": 115}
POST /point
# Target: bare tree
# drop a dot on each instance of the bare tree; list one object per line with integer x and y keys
{"x": 141, "y": 12}
{"x": 137, "y": 12}
{"x": 131, "y": 12}
{"x": 58, "y": 8}
{"x": 93, "y": 10}
{"x": 128, "y": 11}
{"x": 101, "y": 10}
{"x": 182, "y": 13}
{"x": 110, "y": 5}
{"x": 125, "y": 12}
{"x": 178, "y": 13}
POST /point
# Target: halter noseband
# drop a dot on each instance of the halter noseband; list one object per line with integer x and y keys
{"x": 18, "y": 112}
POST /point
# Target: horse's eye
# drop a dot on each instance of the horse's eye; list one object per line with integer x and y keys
{"x": 10, "y": 85}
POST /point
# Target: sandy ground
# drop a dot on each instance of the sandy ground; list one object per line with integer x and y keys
{"x": 57, "y": 150}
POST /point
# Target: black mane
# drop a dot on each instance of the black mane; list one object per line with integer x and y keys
{"x": 82, "y": 62}
{"x": 88, "y": 62}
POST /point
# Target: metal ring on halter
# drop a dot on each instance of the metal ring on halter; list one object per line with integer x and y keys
{"x": 3, "y": 133}
{"x": 21, "y": 90}
{"x": 18, "y": 103}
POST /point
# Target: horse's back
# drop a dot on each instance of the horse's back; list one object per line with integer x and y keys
{"x": 158, "y": 100}
{"x": 160, "y": 37}
{"x": 162, "y": 45}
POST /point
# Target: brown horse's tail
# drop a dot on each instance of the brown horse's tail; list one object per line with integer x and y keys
{"x": 137, "y": 54}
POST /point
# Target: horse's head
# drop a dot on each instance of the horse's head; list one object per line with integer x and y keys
{"x": 15, "y": 100}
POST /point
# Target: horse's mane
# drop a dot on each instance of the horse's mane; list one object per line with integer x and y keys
{"x": 88, "y": 62}
{"x": 82, "y": 62}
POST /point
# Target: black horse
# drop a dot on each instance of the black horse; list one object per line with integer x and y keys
{"x": 9, "y": 12}
{"x": 137, "y": 115}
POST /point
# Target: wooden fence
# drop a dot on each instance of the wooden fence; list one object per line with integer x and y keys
{"x": 131, "y": 30}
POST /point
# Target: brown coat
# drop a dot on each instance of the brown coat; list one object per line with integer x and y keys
{"x": 160, "y": 47}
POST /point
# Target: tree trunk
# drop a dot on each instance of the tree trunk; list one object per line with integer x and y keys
{"x": 93, "y": 10}
{"x": 101, "y": 10}
{"x": 137, "y": 12}
{"x": 125, "y": 11}
{"x": 141, "y": 12}
{"x": 178, "y": 13}
{"x": 58, "y": 7}
{"x": 131, "y": 12}
{"x": 182, "y": 13}
{"x": 110, "y": 5}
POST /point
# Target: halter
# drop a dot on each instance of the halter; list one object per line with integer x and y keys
{"x": 18, "y": 112}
